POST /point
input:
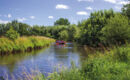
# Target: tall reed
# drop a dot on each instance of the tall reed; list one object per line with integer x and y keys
{"x": 23, "y": 43}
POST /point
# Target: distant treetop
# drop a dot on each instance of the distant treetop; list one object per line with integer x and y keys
{"x": 62, "y": 21}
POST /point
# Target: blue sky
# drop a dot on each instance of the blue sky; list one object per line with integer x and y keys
{"x": 46, "y": 12}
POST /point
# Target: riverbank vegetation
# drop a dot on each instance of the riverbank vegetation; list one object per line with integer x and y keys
{"x": 102, "y": 28}
{"x": 23, "y": 44}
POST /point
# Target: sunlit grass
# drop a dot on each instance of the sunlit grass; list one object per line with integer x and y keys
{"x": 23, "y": 43}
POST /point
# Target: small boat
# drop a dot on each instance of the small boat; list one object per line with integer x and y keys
{"x": 58, "y": 42}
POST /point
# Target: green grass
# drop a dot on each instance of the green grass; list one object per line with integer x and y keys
{"x": 23, "y": 43}
{"x": 111, "y": 65}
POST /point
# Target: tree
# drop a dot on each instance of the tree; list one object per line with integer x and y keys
{"x": 117, "y": 30}
{"x": 36, "y": 30}
{"x": 91, "y": 28}
{"x": 12, "y": 34}
{"x": 62, "y": 21}
{"x": 74, "y": 33}
{"x": 126, "y": 10}
{"x": 63, "y": 35}
{"x": 24, "y": 29}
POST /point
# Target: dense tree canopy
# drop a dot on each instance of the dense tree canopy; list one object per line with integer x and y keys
{"x": 91, "y": 28}
{"x": 117, "y": 30}
{"x": 62, "y": 21}
{"x": 12, "y": 34}
{"x": 126, "y": 10}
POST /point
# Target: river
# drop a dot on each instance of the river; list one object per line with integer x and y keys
{"x": 45, "y": 60}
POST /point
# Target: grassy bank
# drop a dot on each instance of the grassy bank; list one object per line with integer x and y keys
{"x": 23, "y": 43}
{"x": 113, "y": 65}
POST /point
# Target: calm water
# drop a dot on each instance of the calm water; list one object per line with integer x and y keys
{"x": 45, "y": 60}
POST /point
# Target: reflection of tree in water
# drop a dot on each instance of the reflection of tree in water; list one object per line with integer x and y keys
{"x": 11, "y": 60}
{"x": 80, "y": 50}
{"x": 65, "y": 54}
{"x": 60, "y": 49}
{"x": 61, "y": 54}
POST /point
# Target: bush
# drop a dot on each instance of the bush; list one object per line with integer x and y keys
{"x": 12, "y": 34}
{"x": 121, "y": 54}
{"x": 108, "y": 66}
{"x": 63, "y": 35}
{"x": 117, "y": 31}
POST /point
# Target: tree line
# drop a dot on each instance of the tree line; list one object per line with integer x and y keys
{"x": 102, "y": 27}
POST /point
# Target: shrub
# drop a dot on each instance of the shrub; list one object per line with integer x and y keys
{"x": 12, "y": 34}
{"x": 121, "y": 54}
{"x": 117, "y": 31}
{"x": 63, "y": 35}
{"x": 102, "y": 69}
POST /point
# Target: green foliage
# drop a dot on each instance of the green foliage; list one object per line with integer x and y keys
{"x": 126, "y": 10}
{"x": 62, "y": 21}
{"x": 117, "y": 30}
{"x": 121, "y": 54}
{"x": 56, "y": 30}
{"x": 24, "y": 29}
{"x": 74, "y": 33}
{"x": 102, "y": 69}
{"x": 113, "y": 65}
{"x": 91, "y": 28}
{"x": 12, "y": 34}
{"x": 63, "y": 35}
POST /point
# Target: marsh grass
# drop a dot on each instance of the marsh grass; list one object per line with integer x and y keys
{"x": 23, "y": 43}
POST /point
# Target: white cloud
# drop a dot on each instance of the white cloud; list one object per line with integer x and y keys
{"x": 3, "y": 22}
{"x": 32, "y": 17}
{"x": 89, "y": 8}
{"x": 62, "y": 6}
{"x": 21, "y": 19}
{"x": 86, "y": 0}
{"x": 82, "y": 13}
{"x": 111, "y": 1}
{"x": 119, "y": 2}
{"x": 50, "y": 17}
{"x": 9, "y": 15}
{"x": 124, "y": 2}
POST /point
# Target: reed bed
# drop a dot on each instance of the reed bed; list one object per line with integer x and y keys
{"x": 23, "y": 43}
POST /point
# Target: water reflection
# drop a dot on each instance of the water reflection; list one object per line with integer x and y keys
{"x": 43, "y": 60}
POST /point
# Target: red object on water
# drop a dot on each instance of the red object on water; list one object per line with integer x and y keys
{"x": 60, "y": 42}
